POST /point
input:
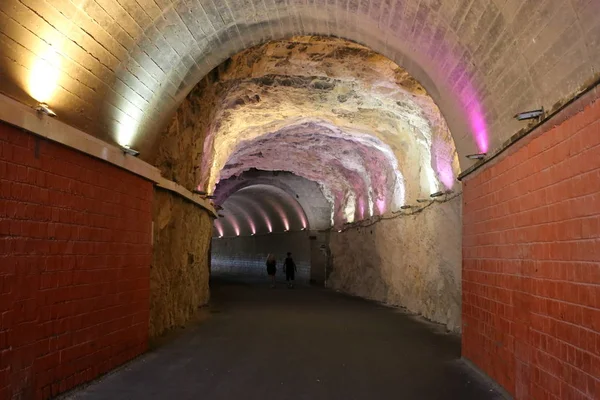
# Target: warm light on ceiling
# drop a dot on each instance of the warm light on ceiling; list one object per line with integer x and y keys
{"x": 44, "y": 76}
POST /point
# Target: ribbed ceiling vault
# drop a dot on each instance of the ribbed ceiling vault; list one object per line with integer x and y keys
{"x": 119, "y": 68}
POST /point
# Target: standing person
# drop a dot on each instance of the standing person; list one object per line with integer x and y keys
{"x": 271, "y": 268}
{"x": 290, "y": 270}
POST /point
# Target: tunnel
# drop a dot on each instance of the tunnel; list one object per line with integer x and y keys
{"x": 430, "y": 166}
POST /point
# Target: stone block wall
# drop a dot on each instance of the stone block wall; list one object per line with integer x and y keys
{"x": 180, "y": 264}
{"x": 411, "y": 261}
{"x": 75, "y": 246}
{"x": 245, "y": 256}
{"x": 531, "y": 263}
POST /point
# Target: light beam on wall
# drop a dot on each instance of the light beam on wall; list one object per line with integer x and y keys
{"x": 361, "y": 207}
{"x": 300, "y": 213}
{"x": 479, "y": 127}
{"x": 350, "y": 209}
{"x": 44, "y": 75}
{"x": 259, "y": 209}
{"x": 380, "y": 202}
{"x": 245, "y": 214}
{"x": 219, "y": 227}
{"x": 126, "y": 130}
{"x": 281, "y": 212}
{"x": 443, "y": 155}
{"x": 234, "y": 223}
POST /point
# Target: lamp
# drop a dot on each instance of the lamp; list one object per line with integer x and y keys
{"x": 478, "y": 156}
{"x": 43, "y": 108}
{"x": 530, "y": 114}
{"x": 129, "y": 150}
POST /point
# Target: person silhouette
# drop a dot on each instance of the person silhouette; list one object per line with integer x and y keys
{"x": 290, "y": 270}
{"x": 271, "y": 268}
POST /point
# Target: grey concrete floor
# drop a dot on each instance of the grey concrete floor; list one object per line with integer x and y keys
{"x": 303, "y": 343}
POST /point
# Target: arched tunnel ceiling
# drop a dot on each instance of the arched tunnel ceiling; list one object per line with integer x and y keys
{"x": 342, "y": 165}
{"x": 326, "y": 85}
{"x": 260, "y": 209}
{"x": 307, "y": 193}
{"x": 122, "y": 67}
{"x": 325, "y": 109}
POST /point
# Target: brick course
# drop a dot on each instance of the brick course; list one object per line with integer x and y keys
{"x": 531, "y": 264}
{"x": 74, "y": 266}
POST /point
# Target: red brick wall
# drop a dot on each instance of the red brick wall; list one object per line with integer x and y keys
{"x": 74, "y": 266}
{"x": 531, "y": 264}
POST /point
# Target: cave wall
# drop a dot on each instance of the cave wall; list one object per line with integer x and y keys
{"x": 412, "y": 261}
{"x": 180, "y": 149}
{"x": 180, "y": 265}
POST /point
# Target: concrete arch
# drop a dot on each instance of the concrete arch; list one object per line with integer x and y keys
{"x": 122, "y": 70}
{"x": 307, "y": 193}
{"x": 235, "y": 34}
{"x": 460, "y": 52}
{"x": 261, "y": 209}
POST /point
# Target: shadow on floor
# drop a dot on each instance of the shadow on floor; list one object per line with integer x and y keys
{"x": 301, "y": 343}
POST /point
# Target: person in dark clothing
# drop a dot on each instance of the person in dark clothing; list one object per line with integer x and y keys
{"x": 290, "y": 270}
{"x": 271, "y": 268}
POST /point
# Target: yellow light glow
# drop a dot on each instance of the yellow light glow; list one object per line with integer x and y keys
{"x": 126, "y": 130}
{"x": 45, "y": 73}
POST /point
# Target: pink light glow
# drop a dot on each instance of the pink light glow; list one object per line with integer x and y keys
{"x": 235, "y": 224}
{"x": 300, "y": 212}
{"x": 219, "y": 227}
{"x": 258, "y": 208}
{"x": 281, "y": 212}
{"x": 247, "y": 216}
{"x": 361, "y": 208}
{"x": 479, "y": 128}
{"x": 465, "y": 90}
{"x": 380, "y": 205}
{"x": 442, "y": 158}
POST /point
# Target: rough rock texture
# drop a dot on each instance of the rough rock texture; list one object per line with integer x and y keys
{"x": 180, "y": 271}
{"x": 412, "y": 261}
{"x": 323, "y": 88}
{"x": 179, "y": 151}
{"x": 325, "y": 109}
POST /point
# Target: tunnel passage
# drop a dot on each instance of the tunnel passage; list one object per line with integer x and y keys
{"x": 120, "y": 70}
{"x": 331, "y": 131}
{"x": 258, "y": 220}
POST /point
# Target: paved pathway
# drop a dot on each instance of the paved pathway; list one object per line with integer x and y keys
{"x": 303, "y": 343}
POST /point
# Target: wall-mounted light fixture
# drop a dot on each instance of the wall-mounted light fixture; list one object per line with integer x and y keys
{"x": 530, "y": 114}
{"x": 339, "y": 230}
{"x": 43, "y": 108}
{"x": 128, "y": 150}
{"x": 478, "y": 156}
{"x": 440, "y": 193}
